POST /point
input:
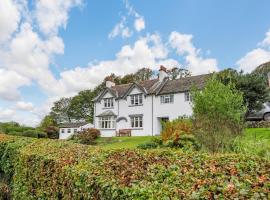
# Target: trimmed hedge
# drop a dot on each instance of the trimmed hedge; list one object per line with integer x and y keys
{"x": 258, "y": 124}
{"x": 47, "y": 169}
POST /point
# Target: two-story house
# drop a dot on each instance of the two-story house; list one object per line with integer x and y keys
{"x": 143, "y": 106}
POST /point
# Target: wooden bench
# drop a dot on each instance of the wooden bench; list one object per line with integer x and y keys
{"x": 123, "y": 132}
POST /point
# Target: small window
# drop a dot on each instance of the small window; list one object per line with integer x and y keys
{"x": 188, "y": 96}
{"x": 107, "y": 122}
{"x": 75, "y": 130}
{"x": 62, "y": 130}
{"x": 108, "y": 103}
{"x": 166, "y": 99}
{"x": 136, "y": 121}
{"x": 69, "y": 130}
{"x": 136, "y": 99}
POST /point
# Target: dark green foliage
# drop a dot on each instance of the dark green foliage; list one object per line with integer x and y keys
{"x": 48, "y": 169}
{"x": 88, "y": 136}
{"x": 52, "y": 132}
{"x": 254, "y": 86}
{"x": 148, "y": 145}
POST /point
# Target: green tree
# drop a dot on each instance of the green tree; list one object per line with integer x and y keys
{"x": 218, "y": 114}
{"x": 61, "y": 111}
{"x": 253, "y": 86}
{"x": 176, "y": 72}
{"x": 47, "y": 121}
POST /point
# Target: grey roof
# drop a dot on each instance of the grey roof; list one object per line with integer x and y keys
{"x": 106, "y": 113}
{"x": 183, "y": 84}
{"x": 158, "y": 88}
{"x": 73, "y": 125}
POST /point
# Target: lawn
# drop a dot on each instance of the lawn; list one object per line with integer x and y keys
{"x": 255, "y": 141}
{"x": 123, "y": 142}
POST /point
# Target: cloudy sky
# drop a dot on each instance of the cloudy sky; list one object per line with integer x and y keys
{"x": 55, "y": 48}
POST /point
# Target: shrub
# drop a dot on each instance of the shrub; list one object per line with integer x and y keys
{"x": 148, "y": 145}
{"x": 218, "y": 115}
{"x": 48, "y": 169}
{"x": 52, "y": 132}
{"x": 172, "y": 130}
{"x": 88, "y": 136}
{"x": 30, "y": 133}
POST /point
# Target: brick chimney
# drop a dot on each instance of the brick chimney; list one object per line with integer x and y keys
{"x": 162, "y": 73}
{"x": 109, "y": 82}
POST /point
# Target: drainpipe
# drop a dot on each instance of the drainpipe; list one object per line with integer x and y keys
{"x": 152, "y": 116}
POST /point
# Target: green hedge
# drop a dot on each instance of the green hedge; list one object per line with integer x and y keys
{"x": 48, "y": 169}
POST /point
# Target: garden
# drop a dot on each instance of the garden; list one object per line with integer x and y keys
{"x": 212, "y": 155}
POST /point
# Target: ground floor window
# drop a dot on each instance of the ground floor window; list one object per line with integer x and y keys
{"x": 136, "y": 121}
{"x": 69, "y": 130}
{"x": 63, "y": 131}
{"x": 107, "y": 122}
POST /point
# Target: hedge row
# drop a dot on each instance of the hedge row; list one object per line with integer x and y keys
{"x": 258, "y": 124}
{"x": 47, "y": 169}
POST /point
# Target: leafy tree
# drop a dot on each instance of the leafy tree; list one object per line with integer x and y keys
{"x": 61, "y": 110}
{"x": 143, "y": 74}
{"x": 176, "y": 72}
{"x": 47, "y": 121}
{"x": 253, "y": 86}
{"x": 82, "y": 106}
{"x": 218, "y": 114}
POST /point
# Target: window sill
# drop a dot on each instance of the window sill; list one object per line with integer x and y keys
{"x": 137, "y": 128}
{"x": 107, "y": 129}
{"x": 135, "y": 105}
{"x": 108, "y": 108}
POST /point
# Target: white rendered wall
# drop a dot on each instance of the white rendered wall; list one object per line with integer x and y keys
{"x": 66, "y": 135}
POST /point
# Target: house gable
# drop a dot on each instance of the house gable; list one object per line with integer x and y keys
{"x": 106, "y": 93}
{"x": 135, "y": 89}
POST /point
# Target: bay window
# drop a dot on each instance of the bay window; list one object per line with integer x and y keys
{"x": 107, "y": 122}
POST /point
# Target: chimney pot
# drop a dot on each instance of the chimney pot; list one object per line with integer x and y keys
{"x": 162, "y": 73}
{"x": 109, "y": 82}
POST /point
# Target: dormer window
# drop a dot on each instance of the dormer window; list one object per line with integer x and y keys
{"x": 136, "y": 99}
{"x": 108, "y": 103}
{"x": 166, "y": 98}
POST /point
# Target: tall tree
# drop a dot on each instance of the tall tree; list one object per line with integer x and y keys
{"x": 143, "y": 74}
{"x": 61, "y": 110}
{"x": 176, "y": 72}
{"x": 253, "y": 86}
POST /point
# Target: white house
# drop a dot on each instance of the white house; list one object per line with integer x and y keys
{"x": 141, "y": 107}
{"x": 69, "y": 129}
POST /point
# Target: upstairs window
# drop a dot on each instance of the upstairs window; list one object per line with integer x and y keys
{"x": 136, "y": 99}
{"x": 188, "y": 96}
{"x": 166, "y": 99}
{"x": 136, "y": 121}
{"x": 108, "y": 103}
{"x": 107, "y": 122}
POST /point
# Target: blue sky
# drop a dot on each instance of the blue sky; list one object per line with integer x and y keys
{"x": 51, "y": 49}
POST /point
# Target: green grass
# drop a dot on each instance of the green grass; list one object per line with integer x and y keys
{"x": 123, "y": 142}
{"x": 255, "y": 141}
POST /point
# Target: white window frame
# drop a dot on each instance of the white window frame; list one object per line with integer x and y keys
{"x": 108, "y": 102}
{"x": 107, "y": 122}
{"x": 136, "y": 99}
{"x": 188, "y": 96}
{"x": 136, "y": 121}
{"x": 63, "y": 130}
{"x": 69, "y": 130}
{"x": 165, "y": 99}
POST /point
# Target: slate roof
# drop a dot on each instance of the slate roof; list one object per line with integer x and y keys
{"x": 73, "y": 125}
{"x": 184, "y": 84}
{"x": 164, "y": 87}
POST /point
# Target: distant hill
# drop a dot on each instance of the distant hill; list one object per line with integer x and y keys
{"x": 263, "y": 69}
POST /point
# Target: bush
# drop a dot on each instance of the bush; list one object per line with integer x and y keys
{"x": 148, "y": 145}
{"x": 49, "y": 169}
{"x": 88, "y": 136}
{"x": 52, "y": 132}
{"x": 218, "y": 115}
{"x": 30, "y": 133}
{"x": 172, "y": 130}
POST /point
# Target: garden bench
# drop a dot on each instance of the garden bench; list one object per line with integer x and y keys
{"x": 123, "y": 132}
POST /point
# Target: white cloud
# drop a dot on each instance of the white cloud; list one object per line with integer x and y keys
{"x": 256, "y": 57}
{"x": 122, "y": 28}
{"x": 9, "y": 18}
{"x": 51, "y": 14}
{"x": 253, "y": 59}
{"x": 26, "y": 106}
{"x": 139, "y": 24}
{"x": 10, "y": 82}
{"x": 183, "y": 45}
{"x": 6, "y": 114}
